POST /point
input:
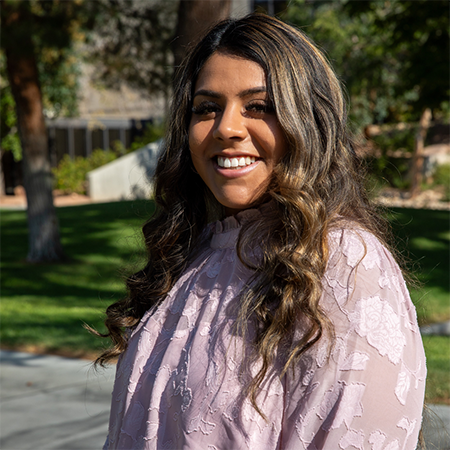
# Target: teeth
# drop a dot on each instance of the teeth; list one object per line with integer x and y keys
{"x": 228, "y": 163}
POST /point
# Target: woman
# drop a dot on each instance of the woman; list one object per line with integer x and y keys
{"x": 270, "y": 314}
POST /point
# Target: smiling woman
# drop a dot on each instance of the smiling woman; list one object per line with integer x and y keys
{"x": 234, "y": 135}
{"x": 271, "y": 314}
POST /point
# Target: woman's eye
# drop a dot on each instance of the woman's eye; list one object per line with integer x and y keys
{"x": 259, "y": 107}
{"x": 205, "y": 108}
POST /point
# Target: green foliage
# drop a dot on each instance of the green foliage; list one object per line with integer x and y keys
{"x": 441, "y": 177}
{"x": 11, "y": 142}
{"x": 48, "y": 30}
{"x": 388, "y": 165}
{"x": 356, "y": 53}
{"x": 131, "y": 44}
{"x": 374, "y": 183}
{"x": 101, "y": 157}
{"x": 392, "y": 61}
{"x": 389, "y": 170}
{"x": 70, "y": 175}
{"x": 395, "y": 139}
{"x": 420, "y": 42}
{"x": 152, "y": 133}
{"x": 59, "y": 73}
{"x": 8, "y": 121}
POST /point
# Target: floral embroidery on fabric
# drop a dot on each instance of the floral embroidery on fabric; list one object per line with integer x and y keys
{"x": 354, "y": 250}
{"x": 407, "y": 425}
{"x": 355, "y": 361}
{"x": 377, "y": 321}
{"x": 402, "y": 388}
{"x": 341, "y": 293}
{"x": 394, "y": 445}
{"x": 377, "y": 439}
{"x": 213, "y": 270}
{"x": 180, "y": 382}
{"x": 181, "y": 388}
{"x": 352, "y": 438}
{"x": 341, "y": 404}
{"x": 302, "y": 426}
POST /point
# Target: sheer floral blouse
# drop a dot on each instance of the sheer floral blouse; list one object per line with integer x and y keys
{"x": 179, "y": 385}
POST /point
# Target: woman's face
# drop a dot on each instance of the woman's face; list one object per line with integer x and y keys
{"x": 234, "y": 135}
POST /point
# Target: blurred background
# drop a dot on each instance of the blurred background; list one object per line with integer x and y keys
{"x": 85, "y": 88}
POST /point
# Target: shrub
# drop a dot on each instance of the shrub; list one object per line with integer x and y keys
{"x": 441, "y": 177}
{"x": 70, "y": 175}
{"x": 152, "y": 133}
{"x": 390, "y": 170}
{"x": 390, "y": 166}
{"x": 395, "y": 139}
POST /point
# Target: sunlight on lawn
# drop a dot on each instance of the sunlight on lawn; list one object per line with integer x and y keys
{"x": 44, "y": 306}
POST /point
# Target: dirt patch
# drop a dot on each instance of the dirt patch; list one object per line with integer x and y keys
{"x": 19, "y": 200}
{"x": 429, "y": 199}
{"x": 41, "y": 350}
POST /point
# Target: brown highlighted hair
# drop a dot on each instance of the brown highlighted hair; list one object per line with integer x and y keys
{"x": 315, "y": 186}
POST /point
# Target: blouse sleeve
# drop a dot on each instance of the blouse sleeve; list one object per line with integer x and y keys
{"x": 368, "y": 394}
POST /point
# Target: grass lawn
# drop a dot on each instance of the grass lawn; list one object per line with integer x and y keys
{"x": 44, "y": 306}
{"x": 423, "y": 236}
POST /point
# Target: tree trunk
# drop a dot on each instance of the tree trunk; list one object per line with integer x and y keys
{"x": 43, "y": 228}
{"x": 417, "y": 159}
{"x": 194, "y": 18}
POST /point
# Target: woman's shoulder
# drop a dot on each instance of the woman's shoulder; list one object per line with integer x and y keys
{"x": 353, "y": 246}
{"x": 363, "y": 275}
{"x": 361, "y": 269}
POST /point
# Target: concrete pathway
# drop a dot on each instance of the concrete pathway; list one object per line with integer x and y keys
{"x": 436, "y": 427}
{"x": 54, "y": 403}
{"x": 436, "y": 329}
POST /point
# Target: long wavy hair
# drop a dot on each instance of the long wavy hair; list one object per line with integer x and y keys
{"x": 317, "y": 185}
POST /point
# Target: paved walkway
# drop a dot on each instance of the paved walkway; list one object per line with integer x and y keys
{"x": 54, "y": 403}
{"x": 436, "y": 427}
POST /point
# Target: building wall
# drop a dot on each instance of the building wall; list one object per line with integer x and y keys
{"x": 241, "y": 8}
{"x": 126, "y": 178}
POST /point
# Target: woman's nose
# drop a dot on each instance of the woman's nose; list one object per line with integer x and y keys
{"x": 231, "y": 125}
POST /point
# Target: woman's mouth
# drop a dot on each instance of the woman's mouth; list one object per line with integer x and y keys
{"x": 235, "y": 163}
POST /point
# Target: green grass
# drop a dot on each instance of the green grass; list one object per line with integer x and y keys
{"x": 437, "y": 350}
{"x": 423, "y": 238}
{"x": 44, "y": 306}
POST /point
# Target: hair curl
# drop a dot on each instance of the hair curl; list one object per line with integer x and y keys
{"x": 315, "y": 186}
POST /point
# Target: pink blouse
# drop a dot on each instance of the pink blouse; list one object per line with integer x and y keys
{"x": 179, "y": 383}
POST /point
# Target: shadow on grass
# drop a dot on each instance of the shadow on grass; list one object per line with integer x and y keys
{"x": 46, "y": 304}
{"x": 423, "y": 237}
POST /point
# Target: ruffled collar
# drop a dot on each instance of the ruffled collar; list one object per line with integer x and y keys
{"x": 225, "y": 232}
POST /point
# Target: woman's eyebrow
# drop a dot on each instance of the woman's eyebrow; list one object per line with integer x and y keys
{"x": 255, "y": 90}
{"x": 245, "y": 93}
{"x": 207, "y": 93}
